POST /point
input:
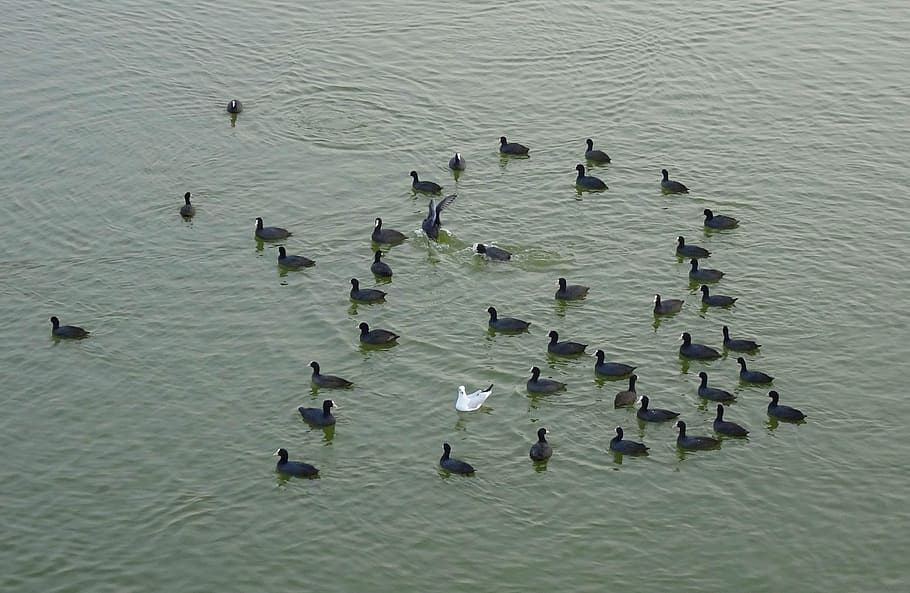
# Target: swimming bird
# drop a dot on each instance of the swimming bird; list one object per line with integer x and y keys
{"x": 691, "y": 443}
{"x": 783, "y": 412}
{"x": 541, "y": 450}
{"x": 610, "y": 369}
{"x": 506, "y": 324}
{"x": 293, "y": 261}
{"x": 319, "y": 416}
{"x": 365, "y": 295}
{"x": 689, "y": 250}
{"x": 752, "y": 376}
{"x": 424, "y": 186}
{"x": 376, "y": 336}
{"x": 563, "y": 348}
{"x": 457, "y": 162}
{"x": 381, "y": 235}
{"x": 187, "y": 210}
{"x": 537, "y": 385}
{"x": 627, "y": 397}
{"x": 293, "y": 468}
{"x": 740, "y": 345}
{"x": 67, "y": 331}
{"x": 468, "y": 402}
{"x": 621, "y": 445}
{"x": 432, "y": 222}
{"x": 653, "y": 414}
{"x": 694, "y": 350}
{"x": 667, "y": 306}
{"x": 588, "y": 181}
{"x": 511, "y": 147}
{"x": 380, "y": 268}
{"x": 703, "y": 274}
{"x": 270, "y": 233}
{"x": 570, "y": 292}
{"x": 492, "y": 252}
{"x": 328, "y": 381}
{"x": 715, "y": 300}
{"x": 595, "y": 156}
{"x": 719, "y": 221}
{"x": 234, "y": 106}
{"x": 456, "y": 466}
{"x": 669, "y": 186}
{"x": 726, "y": 427}
{"x": 712, "y": 393}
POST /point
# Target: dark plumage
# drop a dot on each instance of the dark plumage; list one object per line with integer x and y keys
{"x": 424, "y": 186}
{"x": 270, "y": 233}
{"x": 588, "y": 181}
{"x": 783, "y": 412}
{"x": 712, "y": 393}
{"x": 293, "y": 468}
{"x": 621, "y": 445}
{"x": 187, "y": 210}
{"x": 432, "y": 223}
{"x": 654, "y": 414}
{"x": 752, "y": 376}
{"x": 610, "y": 369}
{"x": 457, "y": 162}
{"x": 719, "y": 221}
{"x": 715, "y": 300}
{"x": 667, "y": 306}
{"x": 506, "y": 147}
{"x": 731, "y": 429}
{"x": 456, "y": 466}
{"x": 563, "y": 348}
{"x": 376, "y": 336}
{"x": 293, "y": 261}
{"x": 537, "y": 385}
{"x": 627, "y": 397}
{"x": 379, "y": 267}
{"x": 66, "y": 331}
{"x": 571, "y": 291}
{"x": 234, "y": 106}
{"x": 595, "y": 156}
{"x": 738, "y": 345}
{"x": 684, "y": 441}
{"x": 541, "y": 450}
{"x": 690, "y": 250}
{"x": 669, "y": 186}
{"x": 365, "y": 295}
{"x": 390, "y": 236}
{"x": 319, "y": 416}
{"x": 698, "y": 351}
{"x": 506, "y": 324}
{"x": 492, "y": 252}
{"x": 329, "y": 381}
{"x": 703, "y": 274}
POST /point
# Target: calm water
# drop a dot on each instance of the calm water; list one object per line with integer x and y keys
{"x": 140, "y": 459}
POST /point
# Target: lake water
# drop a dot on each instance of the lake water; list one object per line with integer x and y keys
{"x": 140, "y": 459}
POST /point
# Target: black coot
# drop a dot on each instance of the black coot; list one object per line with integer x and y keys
{"x": 456, "y": 466}
{"x": 319, "y": 416}
{"x": 541, "y": 450}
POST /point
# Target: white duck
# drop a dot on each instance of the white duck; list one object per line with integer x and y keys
{"x": 468, "y": 402}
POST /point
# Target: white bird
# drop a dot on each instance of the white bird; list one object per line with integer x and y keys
{"x": 468, "y": 402}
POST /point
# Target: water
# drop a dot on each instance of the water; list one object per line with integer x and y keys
{"x": 139, "y": 459}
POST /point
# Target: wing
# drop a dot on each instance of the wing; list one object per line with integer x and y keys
{"x": 443, "y": 204}
{"x": 430, "y": 220}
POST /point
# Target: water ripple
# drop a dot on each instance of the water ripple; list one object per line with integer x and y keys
{"x": 150, "y": 443}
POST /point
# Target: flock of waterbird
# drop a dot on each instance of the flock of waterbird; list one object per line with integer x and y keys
{"x": 540, "y": 450}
